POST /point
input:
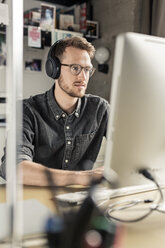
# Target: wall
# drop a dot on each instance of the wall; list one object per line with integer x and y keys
{"x": 114, "y": 17}
{"x": 35, "y": 82}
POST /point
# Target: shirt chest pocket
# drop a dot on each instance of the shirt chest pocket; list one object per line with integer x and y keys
{"x": 81, "y": 144}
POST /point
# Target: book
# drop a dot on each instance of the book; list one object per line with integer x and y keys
{"x": 83, "y": 17}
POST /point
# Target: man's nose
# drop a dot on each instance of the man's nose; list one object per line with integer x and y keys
{"x": 82, "y": 75}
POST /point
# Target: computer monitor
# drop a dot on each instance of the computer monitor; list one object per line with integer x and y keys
{"x": 136, "y": 128}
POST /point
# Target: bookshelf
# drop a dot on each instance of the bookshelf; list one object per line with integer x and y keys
{"x": 81, "y": 10}
{"x": 65, "y": 2}
{"x": 70, "y": 16}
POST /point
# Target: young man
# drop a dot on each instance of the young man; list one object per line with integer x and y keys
{"x": 63, "y": 128}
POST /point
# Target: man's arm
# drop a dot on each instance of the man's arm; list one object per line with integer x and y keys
{"x": 36, "y": 174}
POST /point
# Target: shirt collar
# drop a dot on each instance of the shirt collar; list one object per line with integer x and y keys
{"x": 57, "y": 111}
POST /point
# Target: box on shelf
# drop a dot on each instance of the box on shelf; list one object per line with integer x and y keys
{"x": 61, "y": 34}
{"x": 32, "y": 17}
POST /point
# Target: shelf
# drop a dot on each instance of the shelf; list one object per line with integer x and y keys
{"x": 2, "y": 124}
{"x": 46, "y": 35}
{"x": 2, "y": 99}
{"x": 2, "y": 29}
{"x": 2, "y": 120}
{"x": 66, "y": 3}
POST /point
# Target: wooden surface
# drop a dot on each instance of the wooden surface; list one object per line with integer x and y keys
{"x": 148, "y": 233}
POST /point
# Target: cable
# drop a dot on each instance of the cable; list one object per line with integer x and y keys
{"x": 131, "y": 203}
{"x": 148, "y": 175}
{"x": 127, "y": 204}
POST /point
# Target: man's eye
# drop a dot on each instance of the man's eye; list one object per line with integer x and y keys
{"x": 75, "y": 68}
{"x": 87, "y": 69}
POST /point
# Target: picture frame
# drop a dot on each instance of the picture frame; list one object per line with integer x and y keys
{"x": 66, "y": 21}
{"x": 92, "y": 29}
{"x": 33, "y": 58}
{"x": 33, "y": 65}
{"x": 48, "y": 17}
{"x": 34, "y": 36}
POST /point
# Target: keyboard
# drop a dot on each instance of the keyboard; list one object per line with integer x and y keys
{"x": 103, "y": 193}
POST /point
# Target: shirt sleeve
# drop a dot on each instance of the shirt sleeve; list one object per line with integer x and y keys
{"x": 26, "y": 149}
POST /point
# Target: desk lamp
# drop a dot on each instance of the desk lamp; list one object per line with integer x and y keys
{"x": 102, "y": 55}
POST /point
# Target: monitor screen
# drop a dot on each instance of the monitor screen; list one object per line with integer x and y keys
{"x": 136, "y": 128}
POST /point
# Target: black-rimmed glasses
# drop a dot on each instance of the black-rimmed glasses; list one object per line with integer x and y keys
{"x": 76, "y": 69}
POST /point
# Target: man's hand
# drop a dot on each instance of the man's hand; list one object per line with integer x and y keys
{"x": 36, "y": 174}
{"x": 86, "y": 177}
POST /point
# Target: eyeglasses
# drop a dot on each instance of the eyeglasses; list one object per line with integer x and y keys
{"x": 76, "y": 69}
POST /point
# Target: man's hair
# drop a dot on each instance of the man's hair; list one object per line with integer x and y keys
{"x": 76, "y": 42}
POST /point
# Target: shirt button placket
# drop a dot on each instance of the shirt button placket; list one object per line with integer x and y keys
{"x": 68, "y": 135}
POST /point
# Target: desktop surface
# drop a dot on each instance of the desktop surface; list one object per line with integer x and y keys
{"x": 149, "y": 233}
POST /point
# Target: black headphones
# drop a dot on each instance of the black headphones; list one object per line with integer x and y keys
{"x": 53, "y": 65}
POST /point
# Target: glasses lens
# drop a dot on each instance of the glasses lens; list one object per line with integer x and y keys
{"x": 91, "y": 71}
{"x": 75, "y": 69}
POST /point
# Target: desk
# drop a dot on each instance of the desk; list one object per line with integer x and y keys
{"x": 149, "y": 233}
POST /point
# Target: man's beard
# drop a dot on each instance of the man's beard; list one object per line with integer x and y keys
{"x": 73, "y": 92}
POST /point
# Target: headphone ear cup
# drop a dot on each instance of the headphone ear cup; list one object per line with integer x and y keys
{"x": 53, "y": 67}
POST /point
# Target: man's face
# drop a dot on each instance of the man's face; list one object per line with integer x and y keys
{"x": 74, "y": 85}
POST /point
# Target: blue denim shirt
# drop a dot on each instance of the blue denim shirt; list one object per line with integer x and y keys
{"x": 59, "y": 140}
